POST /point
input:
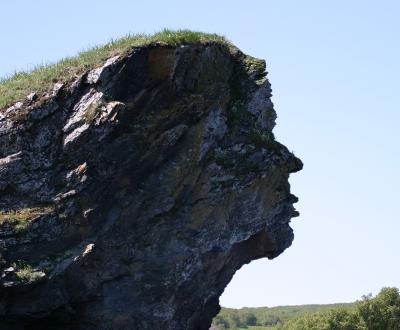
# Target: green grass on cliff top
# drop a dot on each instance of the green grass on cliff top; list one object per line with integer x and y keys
{"x": 41, "y": 78}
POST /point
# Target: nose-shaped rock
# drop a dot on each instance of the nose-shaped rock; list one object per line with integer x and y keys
{"x": 295, "y": 164}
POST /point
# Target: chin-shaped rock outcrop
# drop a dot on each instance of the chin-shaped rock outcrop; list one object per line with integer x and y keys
{"x": 130, "y": 197}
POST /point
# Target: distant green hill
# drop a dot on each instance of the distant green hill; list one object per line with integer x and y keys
{"x": 267, "y": 318}
{"x": 381, "y": 312}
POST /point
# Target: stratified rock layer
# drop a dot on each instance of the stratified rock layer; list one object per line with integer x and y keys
{"x": 131, "y": 196}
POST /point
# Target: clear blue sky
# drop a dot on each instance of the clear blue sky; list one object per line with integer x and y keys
{"x": 335, "y": 70}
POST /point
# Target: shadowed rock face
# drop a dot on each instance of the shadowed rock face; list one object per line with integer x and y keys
{"x": 130, "y": 197}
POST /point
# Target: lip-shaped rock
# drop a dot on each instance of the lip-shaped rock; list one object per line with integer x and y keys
{"x": 130, "y": 197}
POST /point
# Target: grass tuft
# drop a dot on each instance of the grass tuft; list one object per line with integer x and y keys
{"x": 26, "y": 272}
{"x": 22, "y": 217}
{"x": 42, "y": 77}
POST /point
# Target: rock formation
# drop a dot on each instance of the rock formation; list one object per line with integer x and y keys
{"x": 129, "y": 197}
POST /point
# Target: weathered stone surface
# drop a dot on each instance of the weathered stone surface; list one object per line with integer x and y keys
{"x": 130, "y": 197}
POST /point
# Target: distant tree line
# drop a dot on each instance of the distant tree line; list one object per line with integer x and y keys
{"x": 240, "y": 320}
{"x": 381, "y": 312}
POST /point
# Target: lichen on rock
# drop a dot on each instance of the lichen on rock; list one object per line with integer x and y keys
{"x": 157, "y": 176}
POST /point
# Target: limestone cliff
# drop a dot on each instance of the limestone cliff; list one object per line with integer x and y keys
{"x": 129, "y": 197}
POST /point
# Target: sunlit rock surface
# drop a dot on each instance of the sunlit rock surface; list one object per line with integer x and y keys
{"x": 129, "y": 198}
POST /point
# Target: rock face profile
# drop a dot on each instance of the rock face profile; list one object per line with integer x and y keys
{"x": 130, "y": 196}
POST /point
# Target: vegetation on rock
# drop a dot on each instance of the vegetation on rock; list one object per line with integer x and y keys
{"x": 41, "y": 78}
{"x": 26, "y": 272}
